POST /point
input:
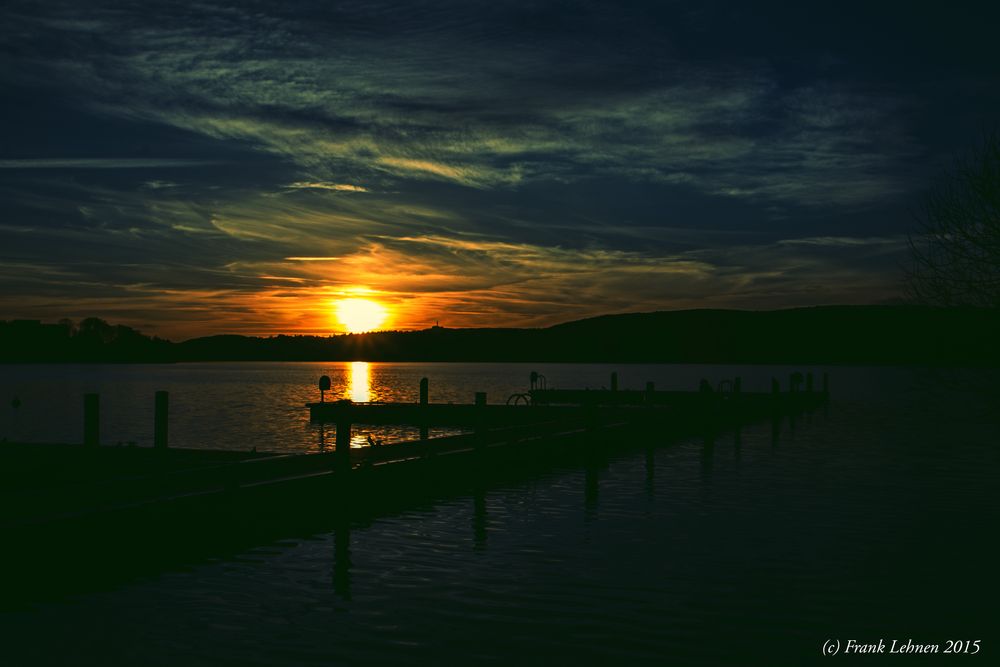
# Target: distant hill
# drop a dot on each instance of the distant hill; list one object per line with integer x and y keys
{"x": 824, "y": 334}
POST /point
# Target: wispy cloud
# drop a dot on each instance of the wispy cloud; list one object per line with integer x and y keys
{"x": 319, "y": 185}
{"x": 846, "y": 241}
{"x": 104, "y": 163}
{"x": 482, "y": 163}
{"x": 359, "y": 107}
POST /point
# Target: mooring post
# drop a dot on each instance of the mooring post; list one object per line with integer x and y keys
{"x": 737, "y": 385}
{"x": 160, "y": 419}
{"x": 614, "y": 382}
{"x": 91, "y": 420}
{"x": 423, "y": 404}
{"x": 826, "y": 385}
{"x": 343, "y": 449}
{"x": 650, "y": 389}
{"x": 480, "y": 413}
{"x": 809, "y": 382}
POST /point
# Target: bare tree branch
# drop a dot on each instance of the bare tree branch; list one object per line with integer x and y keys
{"x": 955, "y": 254}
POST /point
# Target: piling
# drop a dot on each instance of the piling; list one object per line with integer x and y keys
{"x": 614, "y": 382}
{"x": 480, "y": 410}
{"x": 160, "y": 416}
{"x": 423, "y": 403}
{"x": 650, "y": 388}
{"x": 91, "y": 420}
{"x": 737, "y": 385}
{"x": 809, "y": 382}
{"x": 343, "y": 449}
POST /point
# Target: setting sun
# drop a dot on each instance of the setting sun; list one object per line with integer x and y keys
{"x": 359, "y": 315}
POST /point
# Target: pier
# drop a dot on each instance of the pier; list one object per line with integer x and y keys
{"x": 164, "y": 504}
{"x": 48, "y": 483}
{"x": 542, "y": 409}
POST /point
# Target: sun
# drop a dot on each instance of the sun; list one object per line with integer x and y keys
{"x": 360, "y": 315}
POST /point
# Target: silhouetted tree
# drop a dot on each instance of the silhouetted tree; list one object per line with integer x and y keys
{"x": 956, "y": 253}
{"x": 69, "y": 325}
{"x": 96, "y": 330}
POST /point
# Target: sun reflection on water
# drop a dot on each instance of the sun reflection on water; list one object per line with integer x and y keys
{"x": 361, "y": 382}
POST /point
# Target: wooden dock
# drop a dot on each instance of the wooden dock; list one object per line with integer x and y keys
{"x": 159, "y": 501}
{"x": 58, "y": 483}
{"x": 724, "y": 405}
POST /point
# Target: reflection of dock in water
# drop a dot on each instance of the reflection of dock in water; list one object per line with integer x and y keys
{"x": 122, "y": 508}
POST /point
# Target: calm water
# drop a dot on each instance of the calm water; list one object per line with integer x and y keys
{"x": 244, "y": 405}
{"x": 875, "y": 520}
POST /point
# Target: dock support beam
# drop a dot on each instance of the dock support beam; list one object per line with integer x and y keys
{"x": 423, "y": 403}
{"x": 91, "y": 420}
{"x": 343, "y": 450}
{"x": 480, "y": 410}
{"x": 160, "y": 417}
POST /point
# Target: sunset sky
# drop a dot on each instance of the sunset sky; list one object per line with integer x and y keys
{"x": 196, "y": 168}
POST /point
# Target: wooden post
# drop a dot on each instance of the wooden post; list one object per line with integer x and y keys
{"x": 737, "y": 385}
{"x": 650, "y": 388}
{"x": 480, "y": 410}
{"x": 343, "y": 450}
{"x": 423, "y": 404}
{"x": 91, "y": 420}
{"x": 614, "y": 382}
{"x": 775, "y": 387}
{"x": 160, "y": 420}
{"x": 826, "y": 384}
{"x": 809, "y": 382}
{"x": 343, "y": 435}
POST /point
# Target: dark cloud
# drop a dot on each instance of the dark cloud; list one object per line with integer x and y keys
{"x": 504, "y": 162}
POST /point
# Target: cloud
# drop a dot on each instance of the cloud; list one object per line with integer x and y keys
{"x": 319, "y": 185}
{"x": 385, "y": 100}
{"x": 846, "y": 241}
{"x": 105, "y": 163}
{"x": 482, "y": 163}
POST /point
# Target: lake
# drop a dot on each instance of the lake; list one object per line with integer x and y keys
{"x": 262, "y": 405}
{"x": 870, "y": 521}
